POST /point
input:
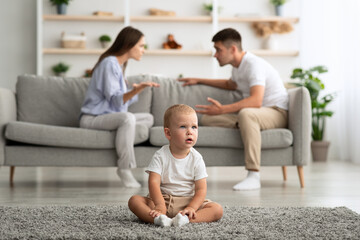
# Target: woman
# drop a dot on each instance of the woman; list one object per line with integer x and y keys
{"x": 107, "y": 99}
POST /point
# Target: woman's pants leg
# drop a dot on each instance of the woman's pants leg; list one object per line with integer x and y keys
{"x": 124, "y": 124}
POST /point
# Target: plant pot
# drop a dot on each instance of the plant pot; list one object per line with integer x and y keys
{"x": 270, "y": 43}
{"x": 319, "y": 150}
{"x": 62, "y": 74}
{"x": 61, "y": 8}
{"x": 279, "y": 10}
{"x": 105, "y": 44}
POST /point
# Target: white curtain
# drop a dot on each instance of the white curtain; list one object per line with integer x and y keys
{"x": 330, "y": 36}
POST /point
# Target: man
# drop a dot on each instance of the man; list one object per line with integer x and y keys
{"x": 264, "y": 104}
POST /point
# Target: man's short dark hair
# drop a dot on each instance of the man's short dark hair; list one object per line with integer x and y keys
{"x": 228, "y": 36}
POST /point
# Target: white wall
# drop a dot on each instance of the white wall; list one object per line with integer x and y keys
{"x": 18, "y": 40}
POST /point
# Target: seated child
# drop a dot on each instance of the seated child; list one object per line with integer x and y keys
{"x": 177, "y": 177}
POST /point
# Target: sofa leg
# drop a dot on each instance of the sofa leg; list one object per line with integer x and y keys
{"x": 12, "y": 171}
{"x": 301, "y": 176}
{"x": 284, "y": 172}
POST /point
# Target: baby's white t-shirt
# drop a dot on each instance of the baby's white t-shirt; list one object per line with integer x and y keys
{"x": 253, "y": 71}
{"x": 178, "y": 176}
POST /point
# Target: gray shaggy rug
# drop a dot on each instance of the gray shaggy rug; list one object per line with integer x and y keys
{"x": 117, "y": 222}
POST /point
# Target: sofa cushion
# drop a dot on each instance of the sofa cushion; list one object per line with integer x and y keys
{"x": 47, "y": 135}
{"x": 228, "y": 137}
{"x": 57, "y": 101}
{"x": 172, "y": 92}
{"x": 50, "y": 100}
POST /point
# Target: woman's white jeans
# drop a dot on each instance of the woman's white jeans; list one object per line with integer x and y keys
{"x": 124, "y": 123}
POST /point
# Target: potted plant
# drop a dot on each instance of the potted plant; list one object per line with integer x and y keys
{"x": 208, "y": 7}
{"x": 105, "y": 40}
{"x": 309, "y": 79}
{"x": 278, "y": 6}
{"x": 60, "y": 69}
{"x": 61, "y": 5}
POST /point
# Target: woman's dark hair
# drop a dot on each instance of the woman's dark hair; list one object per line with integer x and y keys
{"x": 125, "y": 40}
{"x": 228, "y": 36}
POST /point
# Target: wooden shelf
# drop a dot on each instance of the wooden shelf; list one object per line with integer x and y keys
{"x": 259, "y": 19}
{"x": 73, "y": 51}
{"x": 168, "y": 52}
{"x": 207, "y": 19}
{"x": 82, "y": 18}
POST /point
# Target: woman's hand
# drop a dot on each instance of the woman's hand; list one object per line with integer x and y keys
{"x": 137, "y": 88}
{"x": 190, "y": 212}
{"x": 142, "y": 85}
{"x": 188, "y": 81}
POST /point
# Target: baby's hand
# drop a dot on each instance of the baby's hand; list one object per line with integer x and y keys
{"x": 157, "y": 211}
{"x": 190, "y": 212}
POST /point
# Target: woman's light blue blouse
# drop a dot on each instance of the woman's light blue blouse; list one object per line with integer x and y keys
{"x": 106, "y": 89}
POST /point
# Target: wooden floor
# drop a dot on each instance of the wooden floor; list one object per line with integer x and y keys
{"x": 327, "y": 184}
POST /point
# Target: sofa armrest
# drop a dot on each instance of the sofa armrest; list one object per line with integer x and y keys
{"x": 300, "y": 124}
{"x": 7, "y": 114}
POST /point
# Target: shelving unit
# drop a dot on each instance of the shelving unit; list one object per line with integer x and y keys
{"x": 204, "y": 19}
{"x": 82, "y": 18}
{"x": 210, "y": 21}
{"x": 259, "y": 19}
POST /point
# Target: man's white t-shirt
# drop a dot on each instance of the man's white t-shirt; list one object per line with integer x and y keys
{"x": 253, "y": 71}
{"x": 178, "y": 176}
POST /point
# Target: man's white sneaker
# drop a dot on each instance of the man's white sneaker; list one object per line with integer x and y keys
{"x": 251, "y": 182}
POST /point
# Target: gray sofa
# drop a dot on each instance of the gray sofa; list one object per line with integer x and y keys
{"x": 39, "y": 126}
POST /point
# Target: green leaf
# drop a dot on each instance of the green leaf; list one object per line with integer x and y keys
{"x": 319, "y": 69}
{"x": 324, "y": 114}
{"x": 58, "y": 2}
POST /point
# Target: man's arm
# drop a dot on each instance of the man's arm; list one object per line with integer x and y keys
{"x": 156, "y": 195}
{"x": 253, "y": 101}
{"x": 219, "y": 83}
{"x": 198, "y": 199}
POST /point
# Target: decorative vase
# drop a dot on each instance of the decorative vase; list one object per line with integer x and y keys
{"x": 319, "y": 150}
{"x": 62, "y": 74}
{"x": 61, "y": 8}
{"x": 279, "y": 10}
{"x": 270, "y": 43}
{"x": 105, "y": 44}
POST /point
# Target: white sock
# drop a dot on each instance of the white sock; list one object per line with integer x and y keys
{"x": 180, "y": 220}
{"x": 251, "y": 182}
{"x": 127, "y": 178}
{"x": 163, "y": 221}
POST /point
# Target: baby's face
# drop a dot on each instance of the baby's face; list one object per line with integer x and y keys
{"x": 183, "y": 130}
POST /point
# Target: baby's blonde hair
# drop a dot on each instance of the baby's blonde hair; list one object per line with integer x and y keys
{"x": 175, "y": 109}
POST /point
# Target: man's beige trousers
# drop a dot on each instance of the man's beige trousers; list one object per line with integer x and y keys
{"x": 250, "y": 122}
